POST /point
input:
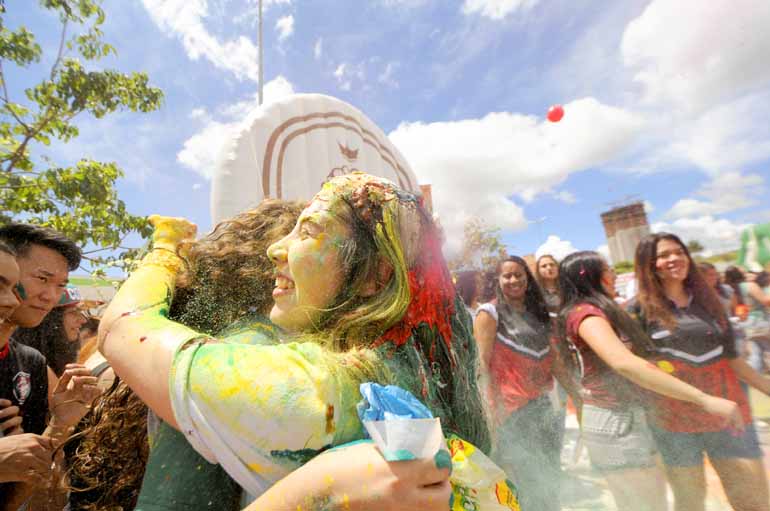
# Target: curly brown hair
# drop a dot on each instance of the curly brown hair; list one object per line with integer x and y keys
{"x": 108, "y": 461}
{"x": 229, "y": 274}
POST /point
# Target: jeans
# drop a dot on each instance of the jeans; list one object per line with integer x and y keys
{"x": 528, "y": 448}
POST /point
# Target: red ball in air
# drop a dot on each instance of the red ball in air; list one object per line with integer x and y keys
{"x": 555, "y": 113}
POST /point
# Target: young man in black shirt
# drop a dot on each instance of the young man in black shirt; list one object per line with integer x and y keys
{"x": 23, "y": 457}
{"x": 44, "y": 258}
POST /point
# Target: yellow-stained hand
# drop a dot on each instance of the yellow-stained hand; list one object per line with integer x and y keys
{"x": 172, "y": 232}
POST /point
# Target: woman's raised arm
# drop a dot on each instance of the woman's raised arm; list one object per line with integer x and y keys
{"x": 135, "y": 334}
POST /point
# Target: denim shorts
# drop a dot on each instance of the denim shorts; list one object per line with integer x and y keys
{"x": 617, "y": 439}
{"x": 686, "y": 449}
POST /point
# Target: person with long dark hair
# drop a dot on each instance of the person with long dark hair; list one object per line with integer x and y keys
{"x": 725, "y": 293}
{"x": 467, "y": 285}
{"x": 548, "y": 278}
{"x": 692, "y": 339}
{"x": 514, "y": 346}
{"x": 606, "y": 344}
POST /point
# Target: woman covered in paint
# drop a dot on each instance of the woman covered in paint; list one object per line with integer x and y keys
{"x": 362, "y": 286}
{"x": 693, "y": 340}
{"x": 515, "y": 350}
{"x": 608, "y": 348}
{"x": 225, "y": 286}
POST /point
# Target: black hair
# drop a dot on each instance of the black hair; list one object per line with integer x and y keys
{"x": 488, "y": 291}
{"x": 50, "y": 339}
{"x": 733, "y": 278}
{"x": 7, "y": 249}
{"x": 467, "y": 286}
{"x": 534, "y": 301}
{"x": 580, "y": 281}
{"x": 22, "y": 236}
{"x": 703, "y": 266}
{"x": 762, "y": 279}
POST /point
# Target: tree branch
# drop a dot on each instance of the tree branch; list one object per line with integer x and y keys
{"x": 19, "y": 187}
{"x": 61, "y": 48}
{"x": 116, "y": 246}
{"x": 19, "y": 152}
{"x": 7, "y": 100}
{"x": 5, "y": 87}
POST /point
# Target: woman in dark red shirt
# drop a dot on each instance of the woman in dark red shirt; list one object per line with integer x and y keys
{"x": 516, "y": 355}
{"x": 606, "y": 343}
{"x": 692, "y": 340}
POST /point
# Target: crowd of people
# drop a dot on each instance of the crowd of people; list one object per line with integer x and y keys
{"x": 226, "y": 372}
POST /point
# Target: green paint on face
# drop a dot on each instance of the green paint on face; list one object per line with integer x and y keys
{"x": 21, "y": 291}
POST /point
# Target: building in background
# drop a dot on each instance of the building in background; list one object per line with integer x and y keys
{"x": 625, "y": 226}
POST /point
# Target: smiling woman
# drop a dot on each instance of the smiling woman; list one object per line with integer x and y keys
{"x": 364, "y": 293}
{"x": 514, "y": 342}
{"x": 693, "y": 340}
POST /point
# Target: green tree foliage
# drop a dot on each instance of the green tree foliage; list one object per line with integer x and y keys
{"x": 481, "y": 247}
{"x": 623, "y": 267}
{"x": 694, "y": 246}
{"x": 79, "y": 200}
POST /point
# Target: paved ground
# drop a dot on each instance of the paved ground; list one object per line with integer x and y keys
{"x": 583, "y": 489}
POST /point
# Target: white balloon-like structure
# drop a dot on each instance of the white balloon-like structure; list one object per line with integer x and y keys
{"x": 289, "y": 148}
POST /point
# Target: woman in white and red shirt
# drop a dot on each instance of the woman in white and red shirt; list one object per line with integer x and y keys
{"x": 693, "y": 341}
{"x": 517, "y": 359}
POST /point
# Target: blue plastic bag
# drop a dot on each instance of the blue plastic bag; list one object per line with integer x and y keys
{"x": 389, "y": 402}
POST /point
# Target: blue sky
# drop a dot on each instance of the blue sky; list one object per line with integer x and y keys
{"x": 665, "y": 101}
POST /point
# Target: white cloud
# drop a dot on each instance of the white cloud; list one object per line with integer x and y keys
{"x": 318, "y": 48}
{"x": 197, "y": 186}
{"x": 184, "y": 19}
{"x": 716, "y": 235}
{"x": 340, "y": 71}
{"x": 565, "y": 196}
{"x": 347, "y": 73}
{"x": 477, "y": 166}
{"x": 200, "y": 152}
{"x": 697, "y": 68}
{"x": 277, "y": 88}
{"x": 404, "y": 3}
{"x": 556, "y": 247}
{"x": 725, "y": 137}
{"x": 648, "y": 207}
{"x": 285, "y": 27}
{"x": 386, "y": 77}
{"x": 198, "y": 113}
{"x": 694, "y": 54}
{"x": 250, "y": 15}
{"x": 604, "y": 250}
{"x": 496, "y": 9}
{"x": 726, "y": 192}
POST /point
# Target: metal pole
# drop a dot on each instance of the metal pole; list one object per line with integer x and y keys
{"x": 261, "y": 54}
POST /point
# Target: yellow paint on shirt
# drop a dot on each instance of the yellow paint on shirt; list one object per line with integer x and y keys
{"x": 666, "y": 366}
